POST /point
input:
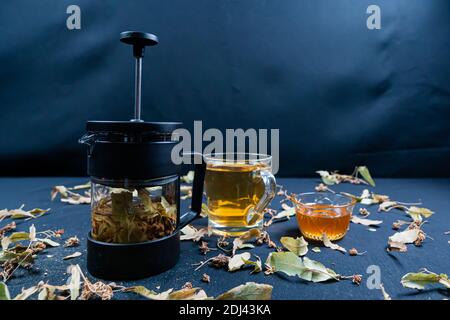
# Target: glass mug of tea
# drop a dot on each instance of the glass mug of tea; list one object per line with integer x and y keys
{"x": 238, "y": 187}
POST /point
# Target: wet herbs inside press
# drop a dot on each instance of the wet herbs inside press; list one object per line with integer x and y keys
{"x": 133, "y": 215}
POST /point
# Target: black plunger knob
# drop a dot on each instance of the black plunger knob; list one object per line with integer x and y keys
{"x": 139, "y": 40}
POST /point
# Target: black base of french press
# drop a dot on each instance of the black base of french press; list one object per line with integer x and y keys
{"x": 113, "y": 261}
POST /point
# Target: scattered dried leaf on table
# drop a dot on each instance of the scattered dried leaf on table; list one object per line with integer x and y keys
{"x": 77, "y": 200}
{"x": 364, "y": 172}
{"x": 74, "y": 281}
{"x": 306, "y": 269}
{"x": 336, "y": 178}
{"x": 73, "y": 255}
{"x": 219, "y": 261}
{"x": 237, "y": 261}
{"x": 421, "y": 279}
{"x": 70, "y": 196}
{"x": 9, "y": 227}
{"x": 365, "y": 222}
{"x": 386, "y": 296}
{"x": 72, "y": 242}
{"x": 357, "y": 278}
{"x": 354, "y": 252}
{"x": 203, "y": 247}
{"x": 238, "y": 243}
{"x": 398, "y": 241}
{"x": 316, "y": 249}
{"x": 257, "y": 265}
{"x": 250, "y": 234}
{"x": 49, "y": 242}
{"x": 248, "y": 291}
{"x": 4, "y": 292}
{"x": 327, "y": 242}
{"x": 299, "y": 246}
{"x": 206, "y": 278}
{"x": 191, "y": 233}
{"x": 417, "y": 213}
{"x": 321, "y": 188}
{"x": 364, "y": 212}
{"x": 327, "y": 178}
{"x": 387, "y": 206}
{"x": 26, "y": 293}
{"x": 22, "y": 214}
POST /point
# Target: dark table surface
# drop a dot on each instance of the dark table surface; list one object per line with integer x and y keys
{"x": 433, "y": 254}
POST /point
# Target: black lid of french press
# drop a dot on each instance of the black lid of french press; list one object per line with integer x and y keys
{"x": 133, "y": 127}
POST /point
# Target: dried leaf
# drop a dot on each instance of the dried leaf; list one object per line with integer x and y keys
{"x": 327, "y": 178}
{"x": 364, "y": 212}
{"x": 238, "y": 244}
{"x": 188, "y": 294}
{"x": 7, "y": 228}
{"x": 22, "y": 214}
{"x": 365, "y": 222}
{"x": 192, "y": 233}
{"x": 316, "y": 249}
{"x": 287, "y": 212}
{"x": 417, "y": 213}
{"x": 364, "y": 172}
{"x": 292, "y": 265}
{"x": 321, "y": 188}
{"x": 206, "y": 278}
{"x": 354, "y": 252}
{"x": 62, "y": 190}
{"x": 420, "y": 280}
{"x": 237, "y": 261}
{"x": 407, "y": 236}
{"x": 77, "y": 200}
{"x": 74, "y": 282}
{"x": 49, "y": 242}
{"x": 250, "y": 234}
{"x": 257, "y": 265}
{"x": 387, "y": 205}
{"x": 73, "y": 255}
{"x": 32, "y": 232}
{"x": 386, "y": 296}
{"x": 72, "y": 242}
{"x": 248, "y": 291}
{"x": 327, "y": 242}
{"x": 4, "y": 292}
{"x": 26, "y": 293}
{"x": 299, "y": 246}
{"x": 86, "y": 185}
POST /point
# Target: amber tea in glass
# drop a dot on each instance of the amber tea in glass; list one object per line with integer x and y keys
{"x": 321, "y": 213}
{"x": 238, "y": 188}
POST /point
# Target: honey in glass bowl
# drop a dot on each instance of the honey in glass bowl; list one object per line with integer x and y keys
{"x": 321, "y": 213}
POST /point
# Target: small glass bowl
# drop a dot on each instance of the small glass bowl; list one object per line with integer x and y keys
{"x": 323, "y": 212}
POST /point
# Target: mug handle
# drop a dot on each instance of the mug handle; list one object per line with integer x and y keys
{"x": 270, "y": 186}
{"x": 197, "y": 195}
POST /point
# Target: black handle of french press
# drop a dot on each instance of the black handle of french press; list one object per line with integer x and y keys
{"x": 197, "y": 195}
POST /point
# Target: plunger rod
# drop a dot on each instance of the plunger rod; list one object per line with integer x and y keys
{"x": 137, "y": 89}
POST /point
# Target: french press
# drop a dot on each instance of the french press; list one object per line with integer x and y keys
{"x": 135, "y": 190}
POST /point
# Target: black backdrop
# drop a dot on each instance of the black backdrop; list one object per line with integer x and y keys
{"x": 340, "y": 94}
